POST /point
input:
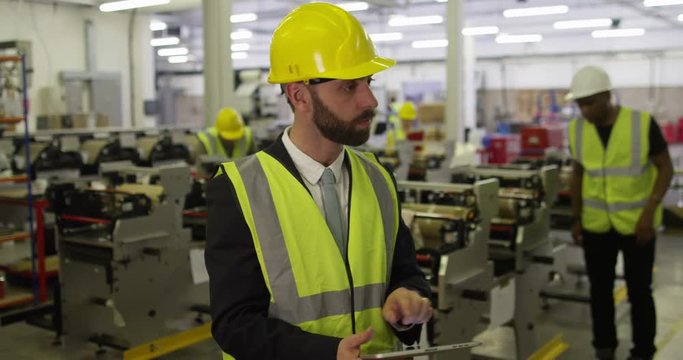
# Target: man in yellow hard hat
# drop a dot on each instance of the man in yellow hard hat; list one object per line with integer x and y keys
{"x": 403, "y": 120}
{"x": 307, "y": 255}
{"x": 621, "y": 172}
{"x": 229, "y": 137}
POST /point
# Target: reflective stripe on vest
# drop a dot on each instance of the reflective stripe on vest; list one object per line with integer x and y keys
{"x": 300, "y": 261}
{"x": 618, "y": 179}
{"x": 209, "y": 138}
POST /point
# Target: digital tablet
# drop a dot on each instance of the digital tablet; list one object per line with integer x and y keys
{"x": 421, "y": 351}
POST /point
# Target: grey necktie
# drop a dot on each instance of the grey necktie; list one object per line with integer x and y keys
{"x": 332, "y": 207}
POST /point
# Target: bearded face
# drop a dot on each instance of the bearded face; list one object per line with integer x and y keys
{"x": 353, "y": 133}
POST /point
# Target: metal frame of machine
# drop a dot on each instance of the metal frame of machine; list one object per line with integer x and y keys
{"x": 464, "y": 274}
{"x": 527, "y": 248}
{"x": 124, "y": 256}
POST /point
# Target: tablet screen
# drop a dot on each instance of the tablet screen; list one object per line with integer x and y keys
{"x": 421, "y": 351}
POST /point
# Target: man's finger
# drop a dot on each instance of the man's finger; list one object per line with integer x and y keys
{"x": 425, "y": 311}
{"x": 361, "y": 338}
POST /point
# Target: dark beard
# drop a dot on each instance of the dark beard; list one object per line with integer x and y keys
{"x": 338, "y": 130}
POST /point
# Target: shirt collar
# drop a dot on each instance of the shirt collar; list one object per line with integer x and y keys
{"x": 310, "y": 169}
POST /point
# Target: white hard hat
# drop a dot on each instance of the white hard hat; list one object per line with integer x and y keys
{"x": 590, "y": 80}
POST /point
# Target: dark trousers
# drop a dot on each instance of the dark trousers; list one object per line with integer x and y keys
{"x": 600, "y": 251}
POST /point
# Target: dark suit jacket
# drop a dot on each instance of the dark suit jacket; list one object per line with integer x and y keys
{"x": 240, "y": 299}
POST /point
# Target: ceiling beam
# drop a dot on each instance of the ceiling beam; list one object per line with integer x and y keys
{"x": 649, "y": 12}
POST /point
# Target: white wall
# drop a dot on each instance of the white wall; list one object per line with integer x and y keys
{"x": 57, "y": 36}
{"x": 658, "y": 69}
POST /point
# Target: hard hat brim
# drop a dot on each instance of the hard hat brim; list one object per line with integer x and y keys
{"x": 373, "y": 66}
{"x": 574, "y": 96}
{"x": 232, "y": 135}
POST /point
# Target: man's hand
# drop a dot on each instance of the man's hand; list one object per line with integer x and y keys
{"x": 576, "y": 233}
{"x": 645, "y": 230}
{"x": 349, "y": 347}
{"x": 406, "y": 307}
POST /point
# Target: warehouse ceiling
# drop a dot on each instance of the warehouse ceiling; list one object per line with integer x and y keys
{"x": 660, "y": 24}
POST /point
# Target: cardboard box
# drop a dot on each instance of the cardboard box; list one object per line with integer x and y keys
{"x": 85, "y": 121}
{"x": 431, "y": 112}
{"x": 49, "y": 122}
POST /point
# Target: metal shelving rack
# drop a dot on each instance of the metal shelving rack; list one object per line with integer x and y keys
{"x": 34, "y": 234}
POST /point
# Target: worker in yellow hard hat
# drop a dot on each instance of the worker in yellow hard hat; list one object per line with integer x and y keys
{"x": 229, "y": 137}
{"x": 307, "y": 255}
{"x": 403, "y": 120}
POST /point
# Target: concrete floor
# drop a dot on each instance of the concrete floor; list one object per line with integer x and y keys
{"x": 572, "y": 320}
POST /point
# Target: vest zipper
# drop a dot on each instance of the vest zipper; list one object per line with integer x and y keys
{"x": 604, "y": 181}
{"x": 350, "y": 277}
{"x": 346, "y": 259}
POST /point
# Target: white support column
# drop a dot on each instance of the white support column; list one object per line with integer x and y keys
{"x": 143, "y": 72}
{"x": 218, "y": 75}
{"x": 454, "y": 70}
{"x": 469, "y": 85}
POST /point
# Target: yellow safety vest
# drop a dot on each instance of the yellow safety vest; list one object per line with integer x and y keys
{"x": 397, "y": 127}
{"x": 213, "y": 145}
{"x": 304, "y": 269}
{"x": 617, "y": 181}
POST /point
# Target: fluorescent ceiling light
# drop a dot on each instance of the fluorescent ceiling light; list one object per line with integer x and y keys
{"x": 130, "y": 4}
{"x": 157, "y": 25}
{"x": 354, "y": 6}
{"x": 240, "y": 18}
{"x": 480, "y": 30}
{"x": 239, "y": 55}
{"x": 426, "y": 44}
{"x": 618, "y": 33}
{"x": 650, "y": 3}
{"x": 536, "y": 11}
{"x": 165, "y": 41}
{"x": 441, "y": 0}
{"x": 400, "y": 20}
{"x": 241, "y": 34}
{"x": 178, "y": 59}
{"x": 518, "y": 39}
{"x": 390, "y": 36}
{"x": 582, "y": 24}
{"x": 680, "y": 17}
{"x": 239, "y": 47}
{"x": 172, "y": 52}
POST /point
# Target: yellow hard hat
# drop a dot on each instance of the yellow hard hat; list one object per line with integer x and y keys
{"x": 322, "y": 41}
{"x": 229, "y": 124}
{"x": 407, "y": 111}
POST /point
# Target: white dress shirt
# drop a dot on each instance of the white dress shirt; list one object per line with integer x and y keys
{"x": 311, "y": 171}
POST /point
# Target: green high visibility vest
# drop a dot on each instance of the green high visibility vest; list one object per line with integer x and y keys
{"x": 303, "y": 267}
{"x": 617, "y": 181}
{"x": 213, "y": 145}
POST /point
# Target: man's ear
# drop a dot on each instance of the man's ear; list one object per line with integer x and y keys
{"x": 299, "y": 96}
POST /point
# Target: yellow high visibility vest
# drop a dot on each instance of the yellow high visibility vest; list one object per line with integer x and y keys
{"x": 617, "y": 181}
{"x": 295, "y": 246}
{"x": 213, "y": 145}
{"x": 399, "y": 134}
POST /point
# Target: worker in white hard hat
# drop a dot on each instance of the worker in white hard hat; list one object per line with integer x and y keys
{"x": 307, "y": 255}
{"x": 229, "y": 137}
{"x": 621, "y": 172}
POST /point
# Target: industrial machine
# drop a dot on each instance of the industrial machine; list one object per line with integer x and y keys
{"x": 49, "y": 159}
{"x": 125, "y": 270}
{"x": 161, "y": 149}
{"x": 519, "y": 243}
{"x": 98, "y": 151}
{"x": 451, "y": 225}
